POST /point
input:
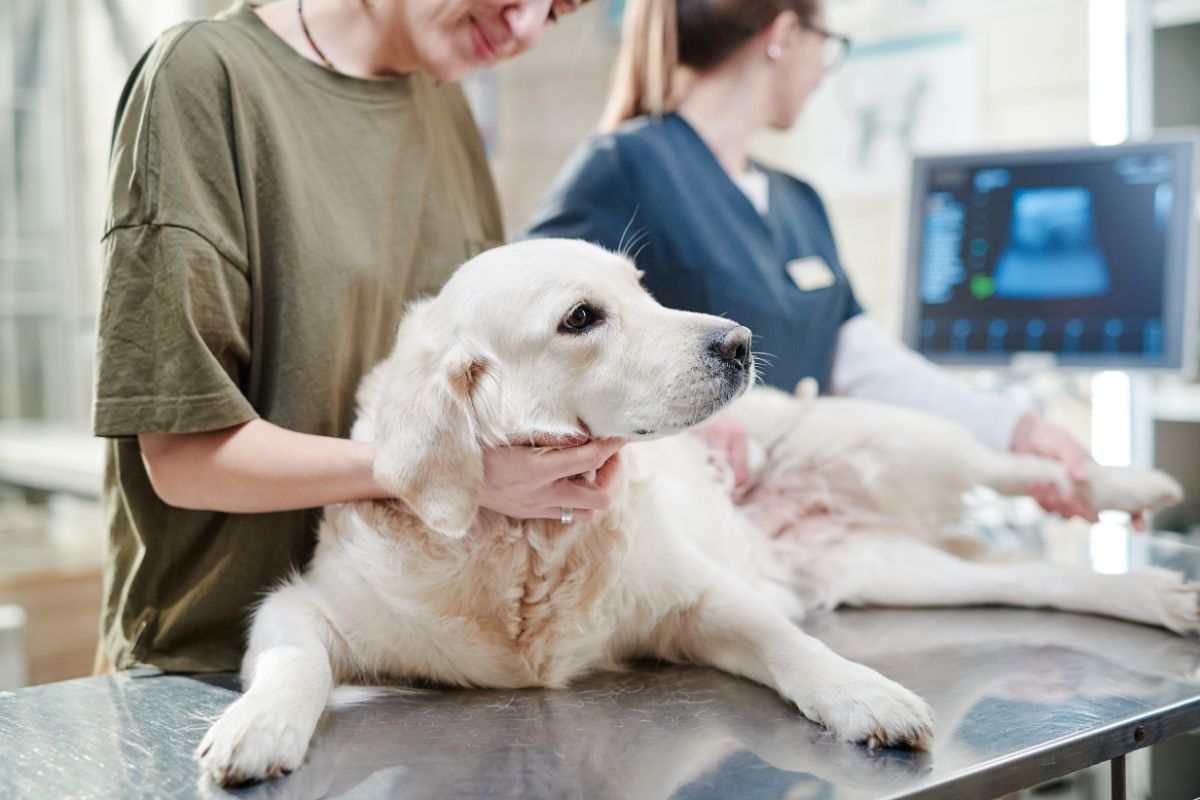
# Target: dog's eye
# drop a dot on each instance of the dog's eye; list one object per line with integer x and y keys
{"x": 579, "y": 319}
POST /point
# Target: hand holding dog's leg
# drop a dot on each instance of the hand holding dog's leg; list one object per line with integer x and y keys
{"x": 288, "y": 679}
{"x": 1094, "y": 487}
{"x": 1040, "y": 438}
{"x": 733, "y": 630}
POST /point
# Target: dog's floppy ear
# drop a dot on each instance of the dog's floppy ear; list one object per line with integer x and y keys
{"x": 427, "y": 451}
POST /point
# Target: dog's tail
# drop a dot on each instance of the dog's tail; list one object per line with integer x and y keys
{"x": 807, "y": 389}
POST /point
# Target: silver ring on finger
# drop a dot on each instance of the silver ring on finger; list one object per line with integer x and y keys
{"x": 566, "y": 515}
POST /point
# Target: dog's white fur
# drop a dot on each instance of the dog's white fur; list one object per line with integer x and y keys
{"x": 436, "y": 589}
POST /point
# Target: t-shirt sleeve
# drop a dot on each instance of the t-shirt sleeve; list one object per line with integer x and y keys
{"x": 174, "y": 160}
{"x": 173, "y": 346}
{"x": 174, "y": 333}
{"x": 592, "y": 199}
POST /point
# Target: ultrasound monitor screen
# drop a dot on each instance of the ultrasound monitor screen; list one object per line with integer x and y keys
{"x": 1080, "y": 253}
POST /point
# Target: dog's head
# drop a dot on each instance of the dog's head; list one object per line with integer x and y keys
{"x": 547, "y": 338}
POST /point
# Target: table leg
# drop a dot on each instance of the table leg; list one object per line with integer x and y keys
{"x": 1118, "y": 777}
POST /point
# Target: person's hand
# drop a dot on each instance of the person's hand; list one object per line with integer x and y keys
{"x": 536, "y": 483}
{"x": 727, "y": 438}
{"x": 1035, "y": 436}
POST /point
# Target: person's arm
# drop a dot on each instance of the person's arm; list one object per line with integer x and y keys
{"x": 871, "y": 364}
{"x": 258, "y": 467}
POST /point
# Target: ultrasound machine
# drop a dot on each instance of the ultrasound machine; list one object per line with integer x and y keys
{"x": 1060, "y": 266}
{"x": 1073, "y": 257}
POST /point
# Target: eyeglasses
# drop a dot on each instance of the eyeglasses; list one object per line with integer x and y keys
{"x": 836, "y": 45}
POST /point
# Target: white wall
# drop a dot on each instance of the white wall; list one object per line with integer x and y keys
{"x": 1029, "y": 69}
{"x": 550, "y": 101}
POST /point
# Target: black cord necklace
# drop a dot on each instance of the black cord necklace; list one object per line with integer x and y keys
{"x": 325, "y": 62}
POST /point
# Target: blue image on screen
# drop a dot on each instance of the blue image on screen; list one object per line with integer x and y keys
{"x": 1052, "y": 253}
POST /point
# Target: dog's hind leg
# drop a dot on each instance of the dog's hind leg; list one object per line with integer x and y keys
{"x": 1133, "y": 490}
{"x": 1107, "y": 488}
{"x": 893, "y": 570}
{"x": 1012, "y": 473}
{"x": 287, "y": 679}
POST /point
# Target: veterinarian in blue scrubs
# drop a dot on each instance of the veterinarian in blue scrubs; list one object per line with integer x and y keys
{"x": 657, "y": 191}
{"x": 669, "y": 181}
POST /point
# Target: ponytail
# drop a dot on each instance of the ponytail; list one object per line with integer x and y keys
{"x": 646, "y": 64}
{"x": 660, "y": 36}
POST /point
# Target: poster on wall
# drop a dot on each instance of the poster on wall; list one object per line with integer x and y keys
{"x": 890, "y": 97}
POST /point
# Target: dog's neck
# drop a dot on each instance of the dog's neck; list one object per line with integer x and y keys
{"x": 394, "y": 515}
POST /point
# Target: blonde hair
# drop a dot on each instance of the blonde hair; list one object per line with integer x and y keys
{"x": 660, "y": 36}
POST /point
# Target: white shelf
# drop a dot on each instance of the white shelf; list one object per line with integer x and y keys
{"x": 51, "y": 459}
{"x": 1167, "y": 13}
{"x": 1176, "y": 404}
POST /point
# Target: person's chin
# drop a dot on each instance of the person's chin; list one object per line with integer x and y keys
{"x": 449, "y": 68}
{"x": 448, "y": 63}
{"x": 785, "y": 119}
{"x": 452, "y": 73}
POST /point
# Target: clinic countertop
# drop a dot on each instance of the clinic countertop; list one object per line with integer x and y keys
{"x": 1020, "y": 697}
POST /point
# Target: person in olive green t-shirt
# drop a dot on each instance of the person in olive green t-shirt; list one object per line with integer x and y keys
{"x": 284, "y": 179}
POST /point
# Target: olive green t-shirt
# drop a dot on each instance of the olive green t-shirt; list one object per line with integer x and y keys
{"x": 269, "y": 221}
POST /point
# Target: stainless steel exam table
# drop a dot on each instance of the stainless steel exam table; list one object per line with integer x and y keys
{"x": 1021, "y": 697}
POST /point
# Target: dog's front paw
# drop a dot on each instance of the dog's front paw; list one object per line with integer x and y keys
{"x": 255, "y": 739}
{"x": 863, "y": 706}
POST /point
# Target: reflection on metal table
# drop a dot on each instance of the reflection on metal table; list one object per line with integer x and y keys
{"x": 1020, "y": 696}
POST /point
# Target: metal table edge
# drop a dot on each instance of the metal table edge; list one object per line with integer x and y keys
{"x": 1034, "y": 765}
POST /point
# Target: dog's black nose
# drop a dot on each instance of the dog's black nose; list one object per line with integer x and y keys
{"x": 733, "y": 346}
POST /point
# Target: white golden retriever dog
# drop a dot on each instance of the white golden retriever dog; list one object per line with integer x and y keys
{"x": 549, "y": 338}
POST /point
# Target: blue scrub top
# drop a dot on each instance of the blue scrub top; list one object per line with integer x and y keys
{"x": 655, "y": 189}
